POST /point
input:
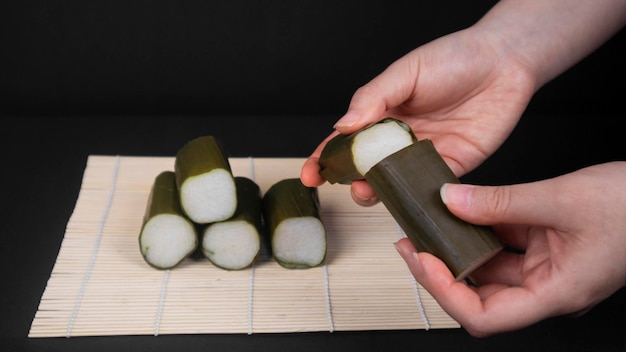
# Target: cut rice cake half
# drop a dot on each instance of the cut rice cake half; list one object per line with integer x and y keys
{"x": 167, "y": 236}
{"x": 299, "y": 242}
{"x": 292, "y": 217}
{"x": 235, "y": 243}
{"x": 346, "y": 158}
{"x": 205, "y": 181}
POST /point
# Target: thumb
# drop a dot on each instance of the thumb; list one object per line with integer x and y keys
{"x": 386, "y": 91}
{"x": 529, "y": 203}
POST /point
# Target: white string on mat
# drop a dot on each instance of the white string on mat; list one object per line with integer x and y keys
{"x": 94, "y": 252}
{"x": 159, "y": 313}
{"x": 418, "y": 298}
{"x": 250, "y": 299}
{"x": 251, "y": 283}
{"x": 329, "y": 310}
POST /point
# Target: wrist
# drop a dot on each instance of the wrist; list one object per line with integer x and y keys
{"x": 548, "y": 37}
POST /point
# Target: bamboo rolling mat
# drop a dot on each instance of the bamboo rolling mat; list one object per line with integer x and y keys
{"x": 100, "y": 285}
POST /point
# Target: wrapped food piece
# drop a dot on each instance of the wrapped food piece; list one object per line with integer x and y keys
{"x": 167, "y": 236}
{"x": 296, "y": 232}
{"x": 205, "y": 181}
{"x": 408, "y": 183}
{"x": 234, "y": 244}
{"x": 346, "y": 158}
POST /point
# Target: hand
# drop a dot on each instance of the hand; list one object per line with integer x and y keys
{"x": 457, "y": 91}
{"x": 467, "y": 90}
{"x": 572, "y": 230}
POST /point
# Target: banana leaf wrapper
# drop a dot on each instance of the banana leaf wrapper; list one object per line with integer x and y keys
{"x": 347, "y": 158}
{"x": 408, "y": 183}
{"x": 294, "y": 227}
{"x": 205, "y": 181}
{"x": 248, "y": 203}
{"x": 167, "y": 236}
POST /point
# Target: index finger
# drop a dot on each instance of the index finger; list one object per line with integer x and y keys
{"x": 371, "y": 102}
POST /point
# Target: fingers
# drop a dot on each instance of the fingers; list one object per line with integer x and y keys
{"x": 482, "y": 311}
{"x": 360, "y": 191}
{"x": 530, "y": 203}
{"x": 505, "y": 268}
{"x": 513, "y": 235}
{"x": 363, "y": 194}
{"x": 310, "y": 172}
{"x": 369, "y": 103}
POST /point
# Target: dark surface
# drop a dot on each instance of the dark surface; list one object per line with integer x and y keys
{"x": 267, "y": 79}
{"x": 155, "y": 57}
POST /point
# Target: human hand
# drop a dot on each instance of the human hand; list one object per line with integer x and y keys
{"x": 572, "y": 230}
{"x": 457, "y": 91}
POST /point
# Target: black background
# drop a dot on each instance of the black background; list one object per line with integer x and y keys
{"x": 267, "y": 79}
{"x": 238, "y": 57}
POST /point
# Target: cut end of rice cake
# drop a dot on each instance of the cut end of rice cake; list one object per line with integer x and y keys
{"x": 209, "y": 197}
{"x": 166, "y": 240}
{"x": 231, "y": 245}
{"x": 299, "y": 242}
{"x": 373, "y": 144}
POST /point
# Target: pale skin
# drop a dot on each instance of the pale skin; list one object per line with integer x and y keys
{"x": 466, "y": 92}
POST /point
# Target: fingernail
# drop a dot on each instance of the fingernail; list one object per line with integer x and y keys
{"x": 417, "y": 266}
{"x": 365, "y": 201}
{"x": 456, "y": 194}
{"x": 415, "y": 263}
{"x": 349, "y": 119}
{"x": 401, "y": 251}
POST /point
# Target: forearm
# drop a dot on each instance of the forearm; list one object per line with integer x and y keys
{"x": 550, "y": 36}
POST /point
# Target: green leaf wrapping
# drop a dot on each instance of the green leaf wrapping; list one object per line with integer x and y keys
{"x": 248, "y": 203}
{"x": 163, "y": 198}
{"x": 205, "y": 182}
{"x": 287, "y": 200}
{"x": 163, "y": 201}
{"x": 199, "y": 156}
{"x": 408, "y": 183}
{"x": 337, "y": 160}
